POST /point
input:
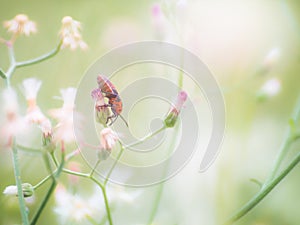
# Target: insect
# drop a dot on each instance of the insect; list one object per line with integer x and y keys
{"x": 114, "y": 100}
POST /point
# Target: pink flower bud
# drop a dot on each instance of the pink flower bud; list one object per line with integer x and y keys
{"x": 172, "y": 116}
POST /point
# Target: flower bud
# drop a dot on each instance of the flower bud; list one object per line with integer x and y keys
{"x": 27, "y": 189}
{"x": 172, "y": 116}
{"x": 103, "y": 154}
{"x": 101, "y": 110}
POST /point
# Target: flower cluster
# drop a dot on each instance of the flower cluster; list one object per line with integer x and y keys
{"x": 20, "y": 25}
{"x": 70, "y": 34}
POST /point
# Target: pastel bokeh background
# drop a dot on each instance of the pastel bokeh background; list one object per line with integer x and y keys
{"x": 244, "y": 43}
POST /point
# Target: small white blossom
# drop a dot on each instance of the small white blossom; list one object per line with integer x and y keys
{"x": 11, "y": 190}
{"x": 271, "y": 87}
{"x": 27, "y": 190}
{"x": 64, "y": 129}
{"x": 13, "y": 124}
{"x": 20, "y": 25}
{"x": 31, "y": 87}
{"x": 70, "y": 34}
{"x": 108, "y": 138}
{"x": 74, "y": 209}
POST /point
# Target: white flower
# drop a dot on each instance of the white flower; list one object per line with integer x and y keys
{"x": 13, "y": 124}
{"x": 64, "y": 129}
{"x": 70, "y": 34}
{"x": 11, "y": 190}
{"x": 20, "y": 25}
{"x": 74, "y": 209}
{"x": 108, "y": 138}
{"x": 27, "y": 189}
{"x": 31, "y": 87}
{"x": 120, "y": 196}
{"x": 271, "y": 87}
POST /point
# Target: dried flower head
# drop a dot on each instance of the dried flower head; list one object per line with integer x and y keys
{"x": 20, "y": 25}
{"x": 70, "y": 34}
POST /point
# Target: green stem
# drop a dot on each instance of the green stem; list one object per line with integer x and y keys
{"x": 19, "y": 186}
{"x": 114, "y": 165}
{"x": 39, "y": 59}
{"x": 161, "y": 186}
{"x": 42, "y": 182}
{"x": 145, "y": 138}
{"x": 28, "y": 149}
{"x": 156, "y": 204}
{"x": 51, "y": 189}
{"x": 263, "y": 192}
{"x": 85, "y": 175}
{"x": 103, "y": 189}
{"x": 107, "y": 206}
{"x": 290, "y": 138}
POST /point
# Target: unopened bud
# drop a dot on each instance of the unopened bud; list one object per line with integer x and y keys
{"x": 27, "y": 189}
{"x": 103, "y": 154}
{"x": 101, "y": 110}
{"x": 48, "y": 143}
{"x": 172, "y": 116}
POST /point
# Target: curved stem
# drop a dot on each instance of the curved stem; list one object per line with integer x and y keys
{"x": 113, "y": 166}
{"x": 147, "y": 137}
{"x": 51, "y": 189}
{"x": 103, "y": 189}
{"x": 19, "y": 186}
{"x": 39, "y": 59}
{"x": 290, "y": 138}
{"x": 264, "y": 191}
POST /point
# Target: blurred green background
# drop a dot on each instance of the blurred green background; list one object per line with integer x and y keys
{"x": 233, "y": 38}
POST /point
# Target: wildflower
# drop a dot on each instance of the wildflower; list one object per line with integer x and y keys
{"x": 74, "y": 209}
{"x": 27, "y": 189}
{"x": 108, "y": 139}
{"x": 13, "y": 123}
{"x": 101, "y": 110}
{"x": 269, "y": 89}
{"x": 20, "y": 25}
{"x": 70, "y": 34}
{"x": 172, "y": 116}
{"x": 64, "y": 129}
{"x": 31, "y": 87}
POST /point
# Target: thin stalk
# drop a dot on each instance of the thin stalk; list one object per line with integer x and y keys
{"x": 51, "y": 189}
{"x": 40, "y": 58}
{"x": 113, "y": 166}
{"x": 28, "y": 149}
{"x": 263, "y": 192}
{"x": 103, "y": 189}
{"x": 290, "y": 138}
{"x": 17, "y": 173}
{"x": 147, "y": 137}
{"x": 161, "y": 185}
